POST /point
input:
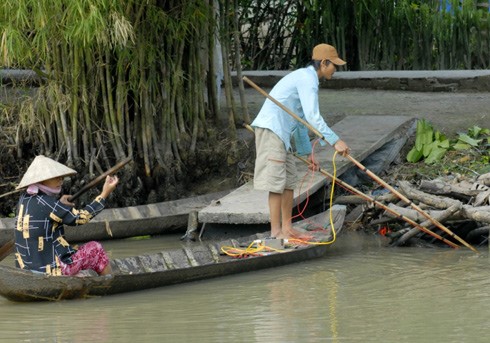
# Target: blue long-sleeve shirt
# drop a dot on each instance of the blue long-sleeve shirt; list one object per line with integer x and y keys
{"x": 297, "y": 91}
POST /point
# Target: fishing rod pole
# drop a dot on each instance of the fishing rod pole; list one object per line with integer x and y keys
{"x": 362, "y": 167}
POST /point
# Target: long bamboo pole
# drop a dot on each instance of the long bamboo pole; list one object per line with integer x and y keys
{"x": 363, "y": 168}
{"x": 100, "y": 178}
{"x": 381, "y": 205}
{"x": 374, "y": 201}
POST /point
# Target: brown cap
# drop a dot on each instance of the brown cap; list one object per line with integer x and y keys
{"x": 326, "y": 52}
{"x": 43, "y": 168}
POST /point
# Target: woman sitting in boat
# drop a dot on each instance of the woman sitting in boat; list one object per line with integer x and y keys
{"x": 40, "y": 244}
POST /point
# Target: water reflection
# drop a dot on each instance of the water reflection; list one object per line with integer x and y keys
{"x": 361, "y": 291}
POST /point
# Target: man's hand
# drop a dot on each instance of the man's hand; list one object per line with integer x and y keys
{"x": 341, "y": 148}
{"x": 313, "y": 163}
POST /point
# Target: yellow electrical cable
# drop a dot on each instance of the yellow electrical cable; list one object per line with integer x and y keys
{"x": 331, "y": 197}
{"x": 250, "y": 250}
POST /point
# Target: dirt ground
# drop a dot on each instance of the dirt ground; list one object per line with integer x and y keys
{"x": 449, "y": 113}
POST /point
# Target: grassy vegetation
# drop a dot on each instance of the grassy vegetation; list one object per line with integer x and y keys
{"x": 120, "y": 78}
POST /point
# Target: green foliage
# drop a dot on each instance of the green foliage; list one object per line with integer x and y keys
{"x": 120, "y": 78}
{"x": 475, "y": 138}
{"x": 432, "y": 146}
{"x": 429, "y": 144}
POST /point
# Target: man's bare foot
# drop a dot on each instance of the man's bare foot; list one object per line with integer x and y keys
{"x": 295, "y": 234}
{"x": 276, "y": 233}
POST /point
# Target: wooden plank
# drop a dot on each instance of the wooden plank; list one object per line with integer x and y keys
{"x": 363, "y": 134}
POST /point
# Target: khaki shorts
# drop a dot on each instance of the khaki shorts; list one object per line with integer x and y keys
{"x": 275, "y": 168}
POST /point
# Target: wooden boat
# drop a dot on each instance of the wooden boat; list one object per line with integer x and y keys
{"x": 195, "y": 261}
{"x": 151, "y": 219}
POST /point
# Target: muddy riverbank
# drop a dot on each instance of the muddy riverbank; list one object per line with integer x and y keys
{"x": 449, "y": 112}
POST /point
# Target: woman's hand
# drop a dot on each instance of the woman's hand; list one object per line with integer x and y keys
{"x": 109, "y": 186}
{"x": 65, "y": 200}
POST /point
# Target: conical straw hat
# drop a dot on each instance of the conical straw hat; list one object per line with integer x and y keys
{"x": 43, "y": 168}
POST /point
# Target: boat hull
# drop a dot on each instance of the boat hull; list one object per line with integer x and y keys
{"x": 196, "y": 261}
{"x": 22, "y": 286}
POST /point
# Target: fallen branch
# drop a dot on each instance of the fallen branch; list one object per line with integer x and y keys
{"x": 440, "y": 217}
{"x": 441, "y": 187}
{"x": 479, "y": 214}
{"x": 481, "y": 231}
{"x": 356, "y": 200}
{"x": 429, "y": 199}
{"x": 484, "y": 179}
{"x": 416, "y": 216}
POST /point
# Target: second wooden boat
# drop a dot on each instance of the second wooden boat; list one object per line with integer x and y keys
{"x": 150, "y": 219}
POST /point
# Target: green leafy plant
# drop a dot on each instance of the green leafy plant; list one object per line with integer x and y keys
{"x": 473, "y": 139}
{"x": 429, "y": 144}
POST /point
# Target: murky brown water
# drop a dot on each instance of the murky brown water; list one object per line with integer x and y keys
{"x": 360, "y": 292}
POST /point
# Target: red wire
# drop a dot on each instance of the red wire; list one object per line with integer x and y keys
{"x": 307, "y": 200}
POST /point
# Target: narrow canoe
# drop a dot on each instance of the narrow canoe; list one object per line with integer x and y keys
{"x": 151, "y": 219}
{"x": 195, "y": 261}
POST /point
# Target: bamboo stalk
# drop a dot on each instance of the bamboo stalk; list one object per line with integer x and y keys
{"x": 212, "y": 86}
{"x": 75, "y": 95}
{"x": 238, "y": 64}
{"x": 85, "y": 113}
{"x": 102, "y": 148}
{"x": 57, "y": 100}
{"x": 121, "y": 97}
{"x": 195, "y": 107}
{"x": 227, "y": 77}
{"x": 179, "y": 113}
{"x": 116, "y": 134}
{"x": 145, "y": 142}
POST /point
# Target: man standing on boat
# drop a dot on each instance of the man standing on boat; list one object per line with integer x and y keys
{"x": 275, "y": 165}
{"x": 40, "y": 244}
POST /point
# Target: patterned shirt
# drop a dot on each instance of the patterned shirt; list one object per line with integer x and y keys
{"x": 298, "y": 91}
{"x": 40, "y": 244}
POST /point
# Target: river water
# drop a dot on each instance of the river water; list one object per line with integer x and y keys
{"x": 361, "y": 291}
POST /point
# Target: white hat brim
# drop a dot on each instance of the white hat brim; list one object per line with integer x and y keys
{"x": 44, "y": 168}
